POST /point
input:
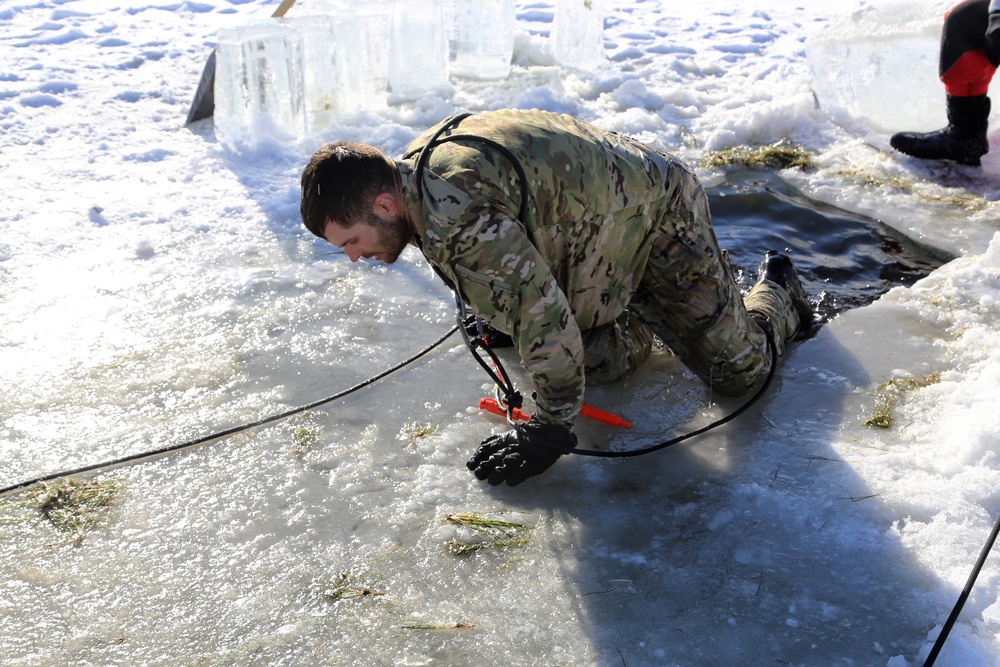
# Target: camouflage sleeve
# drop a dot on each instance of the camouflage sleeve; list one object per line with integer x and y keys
{"x": 505, "y": 280}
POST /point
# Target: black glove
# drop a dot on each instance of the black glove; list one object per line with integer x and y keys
{"x": 529, "y": 450}
{"x": 992, "y": 46}
{"x": 494, "y": 337}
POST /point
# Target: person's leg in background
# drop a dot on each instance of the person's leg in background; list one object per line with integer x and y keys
{"x": 966, "y": 70}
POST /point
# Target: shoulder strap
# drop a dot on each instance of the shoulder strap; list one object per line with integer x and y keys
{"x": 436, "y": 140}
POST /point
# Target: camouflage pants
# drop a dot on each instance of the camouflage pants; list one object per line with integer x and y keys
{"x": 688, "y": 298}
{"x": 613, "y": 351}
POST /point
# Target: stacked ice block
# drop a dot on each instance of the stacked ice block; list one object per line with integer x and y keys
{"x": 300, "y": 74}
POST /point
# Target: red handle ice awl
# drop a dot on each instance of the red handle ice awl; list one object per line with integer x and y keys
{"x": 596, "y": 414}
{"x": 490, "y": 405}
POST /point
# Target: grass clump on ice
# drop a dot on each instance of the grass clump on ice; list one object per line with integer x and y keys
{"x": 923, "y": 185}
{"x": 306, "y": 435}
{"x": 888, "y": 395}
{"x": 779, "y": 155}
{"x": 344, "y": 587}
{"x": 75, "y": 506}
{"x": 305, "y": 438}
{"x": 909, "y": 185}
{"x": 444, "y": 626}
{"x": 493, "y": 533}
{"x": 413, "y": 431}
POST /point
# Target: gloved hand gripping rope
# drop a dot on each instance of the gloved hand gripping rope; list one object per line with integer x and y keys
{"x": 527, "y": 450}
{"x": 530, "y": 449}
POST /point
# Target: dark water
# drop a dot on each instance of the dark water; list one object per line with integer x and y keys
{"x": 844, "y": 260}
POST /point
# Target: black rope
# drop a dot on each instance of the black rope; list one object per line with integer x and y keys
{"x": 932, "y": 656}
{"x": 513, "y": 397}
{"x": 237, "y": 429}
{"x": 704, "y": 429}
{"x": 508, "y": 397}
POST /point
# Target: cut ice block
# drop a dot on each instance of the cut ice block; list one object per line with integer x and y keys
{"x": 346, "y": 62}
{"x": 481, "y": 37}
{"x": 578, "y": 33}
{"x": 258, "y": 83}
{"x": 881, "y": 63}
{"x": 363, "y": 33}
{"x": 320, "y": 85}
{"x": 418, "y": 51}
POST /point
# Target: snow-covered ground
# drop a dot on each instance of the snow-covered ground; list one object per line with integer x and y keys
{"x": 156, "y": 286}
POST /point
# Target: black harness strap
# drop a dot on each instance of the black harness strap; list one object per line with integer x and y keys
{"x": 507, "y": 395}
{"x": 436, "y": 140}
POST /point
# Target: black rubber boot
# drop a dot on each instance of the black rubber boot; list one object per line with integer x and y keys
{"x": 964, "y": 140}
{"x": 779, "y": 270}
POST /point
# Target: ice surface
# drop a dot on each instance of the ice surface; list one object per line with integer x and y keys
{"x": 156, "y": 288}
{"x": 258, "y": 82}
{"x": 881, "y": 63}
{"x": 578, "y": 33}
{"x": 481, "y": 37}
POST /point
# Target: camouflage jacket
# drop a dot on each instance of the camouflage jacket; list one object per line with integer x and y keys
{"x": 573, "y": 259}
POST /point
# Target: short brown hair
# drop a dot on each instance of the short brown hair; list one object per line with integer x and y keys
{"x": 340, "y": 183}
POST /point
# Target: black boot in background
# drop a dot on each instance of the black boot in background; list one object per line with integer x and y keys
{"x": 964, "y": 140}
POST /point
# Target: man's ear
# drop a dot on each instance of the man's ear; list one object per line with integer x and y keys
{"x": 384, "y": 203}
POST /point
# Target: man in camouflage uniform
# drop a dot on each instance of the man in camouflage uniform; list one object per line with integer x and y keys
{"x": 579, "y": 243}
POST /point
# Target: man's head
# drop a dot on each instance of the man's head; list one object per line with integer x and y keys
{"x": 350, "y": 197}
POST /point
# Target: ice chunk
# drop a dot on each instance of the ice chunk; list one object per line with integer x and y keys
{"x": 299, "y": 74}
{"x": 481, "y": 37}
{"x": 578, "y": 33}
{"x": 320, "y": 85}
{"x": 418, "y": 51}
{"x": 258, "y": 83}
{"x": 362, "y": 33}
{"x": 881, "y": 63}
{"x": 346, "y": 62}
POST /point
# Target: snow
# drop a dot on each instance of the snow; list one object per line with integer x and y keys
{"x": 157, "y": 286}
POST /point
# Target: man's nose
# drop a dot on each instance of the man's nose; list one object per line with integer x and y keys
{"x": 352, "y": 253}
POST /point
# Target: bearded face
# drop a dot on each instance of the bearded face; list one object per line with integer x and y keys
{"x": 393, "y": 235}
{"x": 379, "y": 238}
